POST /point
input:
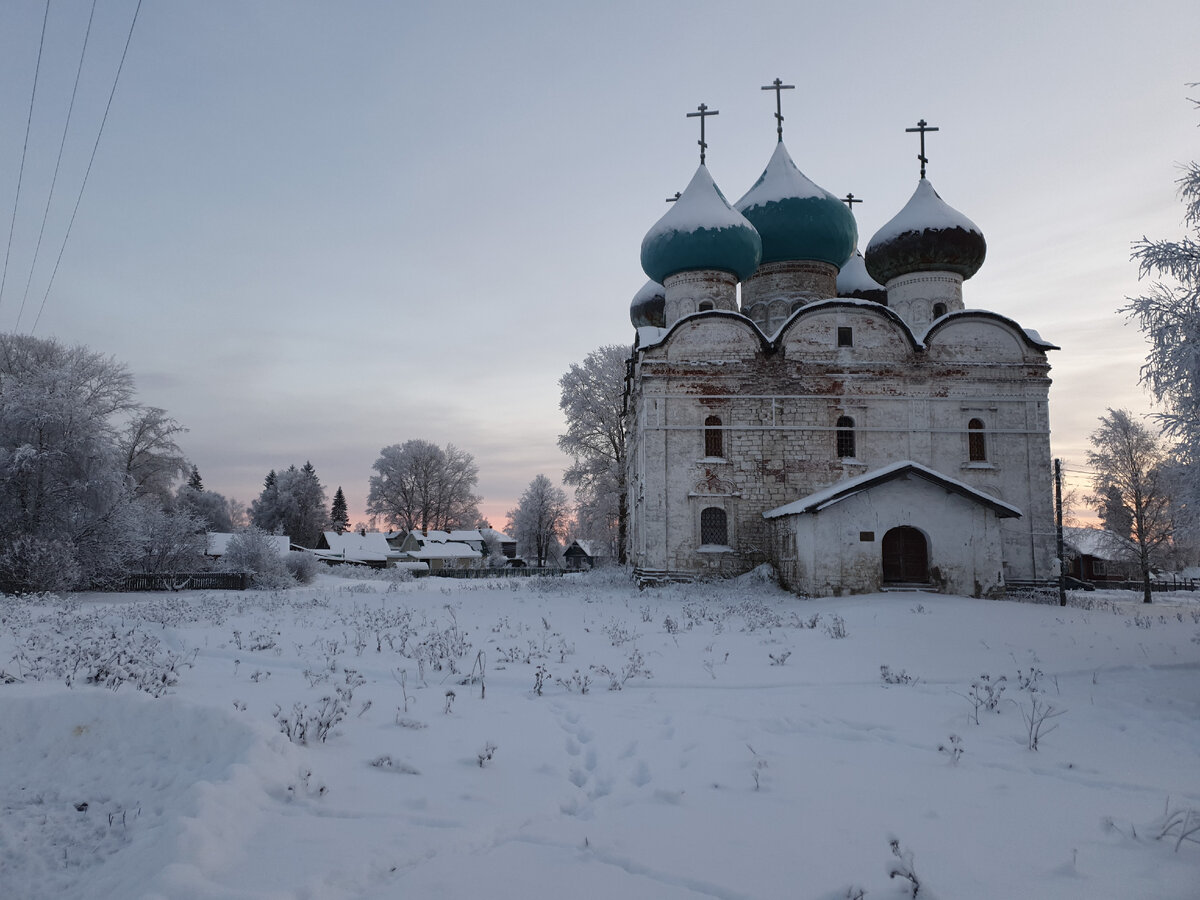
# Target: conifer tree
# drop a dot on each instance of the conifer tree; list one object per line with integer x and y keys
{"x": 194, "y": 481}
{"x": 339, "y": 516}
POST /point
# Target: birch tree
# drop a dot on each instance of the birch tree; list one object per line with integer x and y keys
{"x": 593, "y": 401}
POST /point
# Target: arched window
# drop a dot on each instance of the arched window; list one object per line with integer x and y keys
{"x": 976, "y": 441}
{"x": 714, "y": 444}
{"x": 845, "y": 437}
{"x": 705, "y": 305}
{"x": 939, "y": 310}
{"x": 713, "y": 529}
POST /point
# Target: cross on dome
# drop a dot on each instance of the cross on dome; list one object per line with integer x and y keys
{"x": 922, "y": 127}
{"x": 850, "y": 200}
{"x": 778, "y": 87}
{"x": 703, "y": 112}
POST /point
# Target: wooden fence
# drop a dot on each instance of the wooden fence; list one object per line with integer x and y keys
{"x": 499, "y": 572}
{"x": 186, "y": 581}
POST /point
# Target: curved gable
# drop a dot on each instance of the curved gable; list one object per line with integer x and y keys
{"x": 714, "y": 335}
{"x": 877, "y": 332}
{"x": 985, "y": 335}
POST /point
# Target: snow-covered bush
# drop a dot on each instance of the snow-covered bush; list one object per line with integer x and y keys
{"x": 29, "y": 563}
{"x": 252, "y": 551}
{"x": 302, "y": 566}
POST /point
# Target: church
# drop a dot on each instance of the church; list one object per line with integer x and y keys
{"x": 844, "y": 417}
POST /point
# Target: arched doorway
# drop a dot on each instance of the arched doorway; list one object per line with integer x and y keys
{"x": 905, "y": 556}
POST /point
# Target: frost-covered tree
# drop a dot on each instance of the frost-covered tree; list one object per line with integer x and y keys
{"x": 253, "y": 552}
{"x": 152, "y": 461}
{"x": 539, "y": 520}
{"x": 1169, "y": 316}
{"x": 419, "y": 485}
{"x": 1131, "y": 486}
{"x": 169, "y": 540}
{"x": 214, "y": 511}
{"x": 339, "y": 515}
{"x": 292, "y": 502}
{"x": 593, "y": 401}
{"x": 76, "y": 451}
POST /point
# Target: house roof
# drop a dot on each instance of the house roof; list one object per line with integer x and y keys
{"x": 465, "y": 535}
{"x": 1096, "y": 542}
{"x": 445, "y": 550}
{"x": 904, "y": 468}
{"x": 369, "y": 547}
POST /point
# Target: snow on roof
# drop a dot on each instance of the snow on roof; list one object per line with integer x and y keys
{"x": 1095, "y": 542}
{"x": 835, "y": 493}
{"x": 781, "y": 180}
{"x": 925, "y": 211}
{"x": 432, "y": 535}
{"x": 466, "y": 535}
{"x": 369, "y": 547}
{"x": 218, "y": 541}
{"x": 701, "y": 205}
{"x": 445, "y": 550}
{"x": 494, "y": 535}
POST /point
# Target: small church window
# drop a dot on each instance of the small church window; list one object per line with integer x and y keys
{"x": 976, "y": 441}
{"x": 713, "y": 529}
{"x": 845, "y": 336}
{"x": 845, "y": 437}
{"x": 705, "y": 305}
{"x": 939, "y": 310}
{"x": 713, "y": 437}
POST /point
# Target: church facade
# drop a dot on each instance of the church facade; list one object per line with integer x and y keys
{"x": 843, "y": 417}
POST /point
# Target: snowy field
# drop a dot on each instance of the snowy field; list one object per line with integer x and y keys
{"x": 753, "y": 748}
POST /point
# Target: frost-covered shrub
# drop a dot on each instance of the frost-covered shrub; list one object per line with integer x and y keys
{"x": 29, "y": 564}
{"x": 301, "y": 566}
{"x": 252, "y": 551}
{"x": 305, "y": 726}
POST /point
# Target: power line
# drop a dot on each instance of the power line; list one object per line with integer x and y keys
{"x": 53, "y": 181}
{"x": 88, "y": 171}
{"x": 24, "y": 149}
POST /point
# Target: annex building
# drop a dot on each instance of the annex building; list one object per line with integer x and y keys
{"x": 845, "y": 417}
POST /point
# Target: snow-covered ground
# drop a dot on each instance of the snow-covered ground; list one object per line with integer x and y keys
{"x": 753, "y": 750}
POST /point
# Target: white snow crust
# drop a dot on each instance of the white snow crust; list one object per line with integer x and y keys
{"x": 781, "y": 180}
{"x": 700, "y": 206}
{"x": 925, "y": 211}
{"x": 749, "y": 753}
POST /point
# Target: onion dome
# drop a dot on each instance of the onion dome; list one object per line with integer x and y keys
{"x": 928, "y": 235}
{"x": 649, "y": 306}
{"x": 701, "y": 231}
{"x": 853, "y": 281}
{"x": 797, "y": 219}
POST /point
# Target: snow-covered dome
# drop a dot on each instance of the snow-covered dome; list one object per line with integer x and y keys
{"x": 649, "y": 306}
{"x": 701, "y": 231}
{"x": 854, "y": 281}
{"x": 927, "y": 235}
{"x": 797, "y": 220}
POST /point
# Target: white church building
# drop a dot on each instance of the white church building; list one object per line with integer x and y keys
{"x": 845, "y": 418}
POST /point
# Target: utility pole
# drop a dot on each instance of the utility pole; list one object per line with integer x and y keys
{"x": 1062, "y": 563}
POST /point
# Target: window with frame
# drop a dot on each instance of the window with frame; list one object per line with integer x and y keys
{"x": 713, "y": 526}
{"x": 939, "y": 310}
{"x": 845, "y": 336}
{"x": 976, "y": 441}
{"x": 705, "y": 305}
{"x": 714, "y": 437}
{"x": 845, "y": 438}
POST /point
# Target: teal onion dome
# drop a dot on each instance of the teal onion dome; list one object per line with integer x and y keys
{"x": 927, "y": 235}
{"x": 797, "y": 220}
{"x": 701, "y": 231}
{"x": 649, "y": 306}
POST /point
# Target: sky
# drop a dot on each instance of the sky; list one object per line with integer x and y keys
{"x": 312, "y": 230}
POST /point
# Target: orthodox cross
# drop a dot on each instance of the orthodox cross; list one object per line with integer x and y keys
{"x": 922, "y": 127}
{"x": 703, "y": 111}
{"x": 850, "y": 200}
{"x": 778, "y": 87}
{"x": 673, "y": 199}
